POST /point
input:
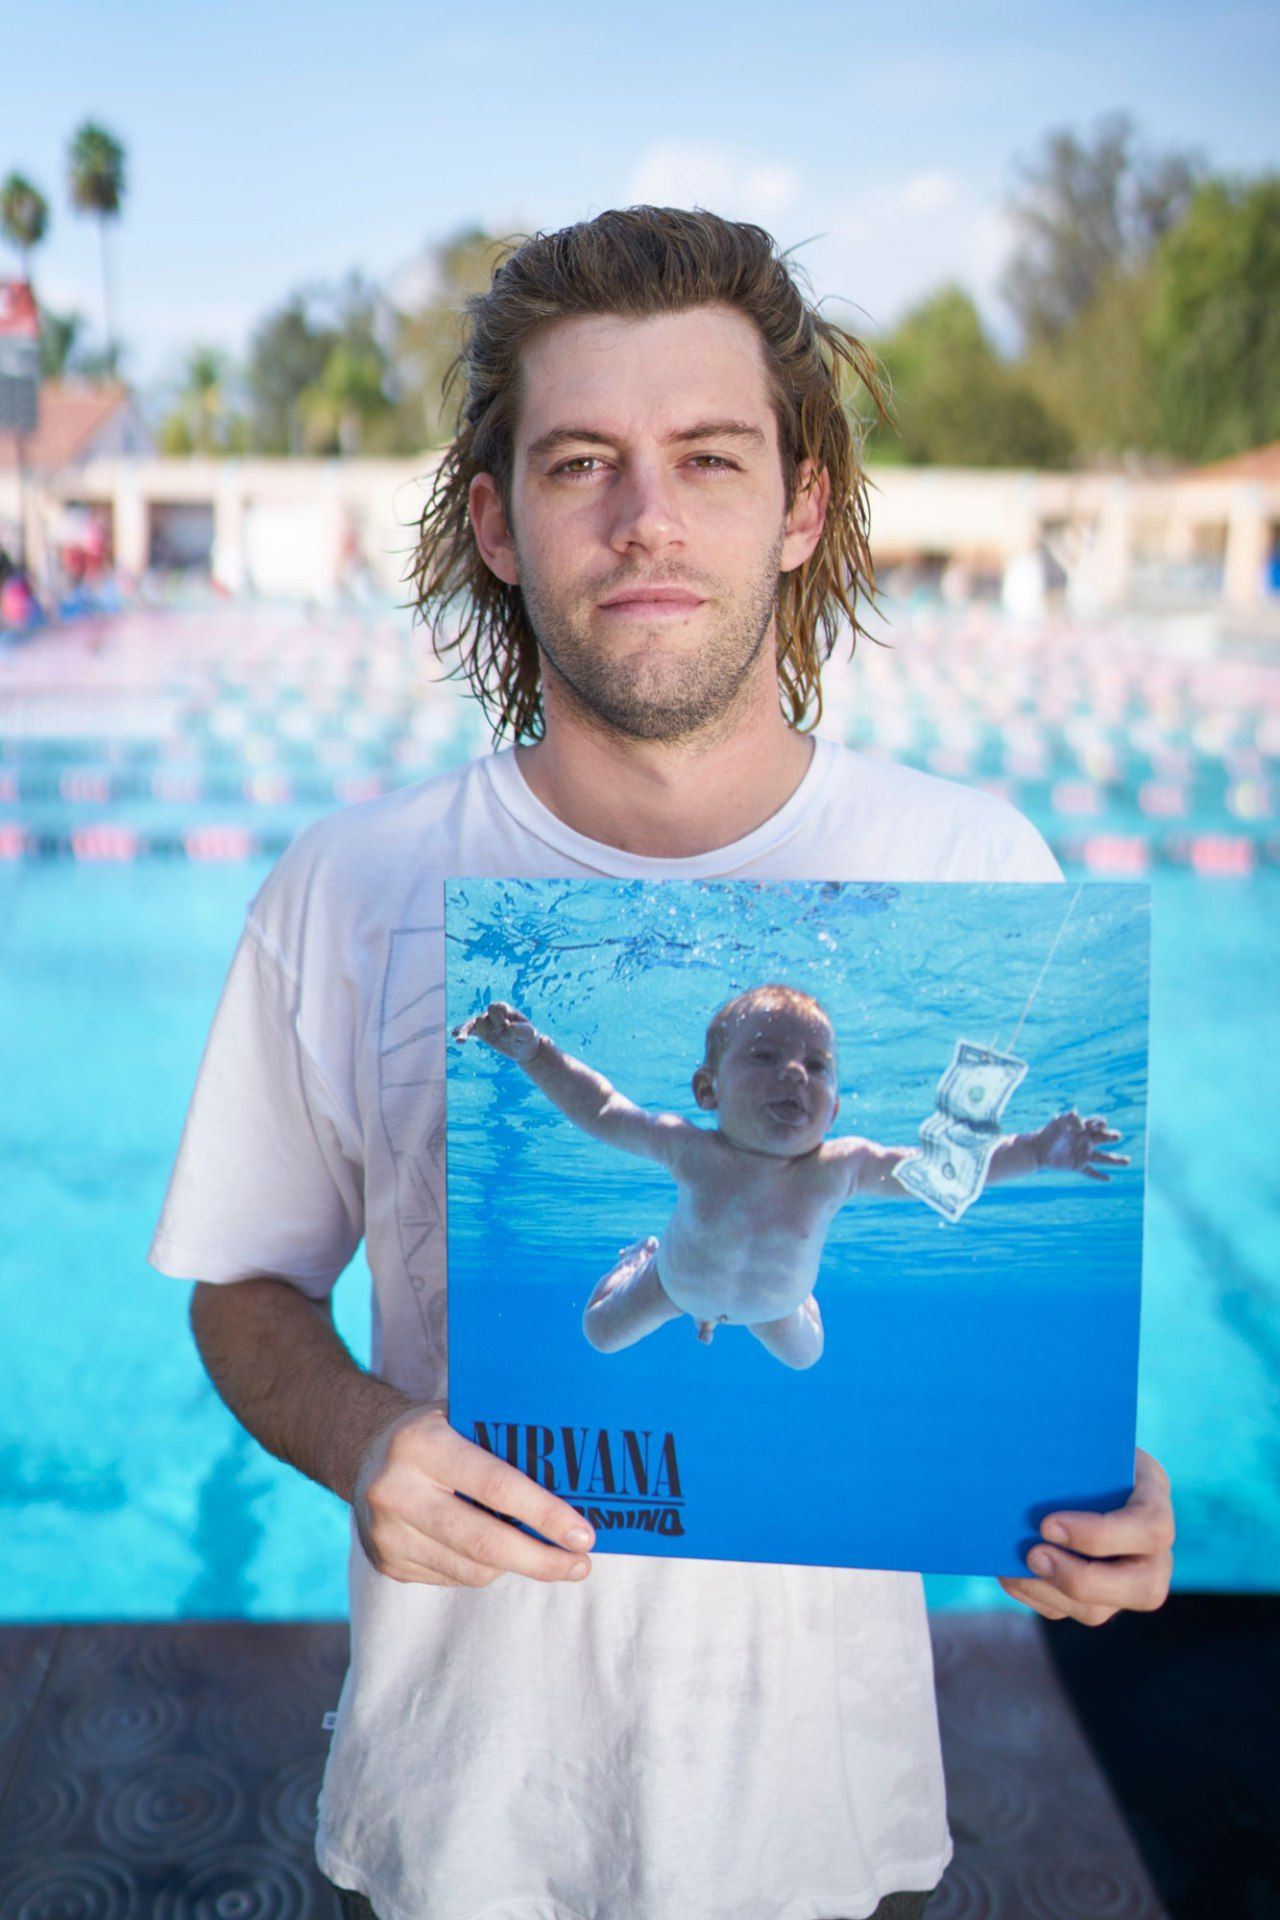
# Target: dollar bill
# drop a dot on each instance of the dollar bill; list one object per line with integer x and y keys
{"x": 957, "y": 1140}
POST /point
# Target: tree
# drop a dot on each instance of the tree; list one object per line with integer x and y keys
{"x": 96, "y": 176}
{"x": 60, "y": 337}
{"x": 1216, "y": 321}
{"x": 956, "y": 402}
{"x": 204, "y": 418}
{"x": 1086, "y": 212}
{"x": 24, "y": 217}
{"x": 287, "y": 355}
{"x": 428, "y": 335}
{"x": 348, "y": 396}
{"x": 1099, "y": 376}
{"x": 320, "y": 373}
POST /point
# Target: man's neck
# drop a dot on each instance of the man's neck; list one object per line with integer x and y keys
{"x": 660, "y": 800}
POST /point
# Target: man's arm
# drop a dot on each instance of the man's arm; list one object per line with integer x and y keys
{"x": 278, "y": 1362}
{"x": 582, "y": 1095}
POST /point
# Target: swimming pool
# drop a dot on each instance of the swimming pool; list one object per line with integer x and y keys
{"x": 128, "y": 1491}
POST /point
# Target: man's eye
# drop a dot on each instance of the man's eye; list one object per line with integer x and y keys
{"x": 717, "y": 462}
{"x": 577, "y": 466}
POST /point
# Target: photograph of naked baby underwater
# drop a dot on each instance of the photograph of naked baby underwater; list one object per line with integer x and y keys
{"x": 800, "y": 1221}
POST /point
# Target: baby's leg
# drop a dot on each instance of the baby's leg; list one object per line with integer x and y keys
{"x": 629, "y": 1302}
{"x": 797, "y": 1338}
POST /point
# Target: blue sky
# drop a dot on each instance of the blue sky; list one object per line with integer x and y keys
{"x": 279, "y": 143}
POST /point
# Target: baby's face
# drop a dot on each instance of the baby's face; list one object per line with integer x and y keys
{"x": 775, "y": 1086}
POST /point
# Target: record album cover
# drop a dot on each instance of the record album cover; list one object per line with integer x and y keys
{"x": 799, "y": 1222}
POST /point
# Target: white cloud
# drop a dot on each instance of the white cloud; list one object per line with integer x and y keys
{"x": 685, "y": 173}
{"x": 896, "y": 241}
{"x": 926, "y": 194}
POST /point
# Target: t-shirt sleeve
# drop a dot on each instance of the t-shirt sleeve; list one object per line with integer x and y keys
{"x": 269, "y": 1173}
{"x": 1023, "y": 853}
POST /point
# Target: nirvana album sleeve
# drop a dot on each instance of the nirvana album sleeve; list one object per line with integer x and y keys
{"x": 799, "y": 1222}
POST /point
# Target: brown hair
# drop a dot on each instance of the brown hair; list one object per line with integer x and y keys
{"x": 770, "y": 999}
{"x": 639, "y": 262}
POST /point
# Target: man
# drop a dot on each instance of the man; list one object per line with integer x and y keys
{"x": 650, "y": 519}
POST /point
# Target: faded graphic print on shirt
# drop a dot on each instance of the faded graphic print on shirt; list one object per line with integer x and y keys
{"x": 411, "y": 1104}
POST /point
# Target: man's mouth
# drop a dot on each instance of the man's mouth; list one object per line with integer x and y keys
{"x": 790, "y": 1112}
{"x": 651, "y": 603}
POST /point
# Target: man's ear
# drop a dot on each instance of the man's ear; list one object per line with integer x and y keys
{"x": 807, "y": 516}
{"x": 835, "y": 1110}
{"x": 704, "y": 1091}
{"x": 489, "y": 524}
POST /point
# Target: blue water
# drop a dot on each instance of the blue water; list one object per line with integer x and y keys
{"x": 128, "y": 1491}
{"x": 975, "y": 1374}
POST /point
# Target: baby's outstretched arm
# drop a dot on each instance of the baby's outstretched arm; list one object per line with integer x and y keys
{"x": 1065, "y": 1141}
{"x": 582, "y": 1095}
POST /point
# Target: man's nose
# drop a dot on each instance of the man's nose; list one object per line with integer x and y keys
{"x": 646, "y": 510}
{"x": 792, "y": 1070}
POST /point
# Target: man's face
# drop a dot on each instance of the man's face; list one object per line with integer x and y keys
{"x": 648, "y": 521}
{"x": 775, "y": 1084}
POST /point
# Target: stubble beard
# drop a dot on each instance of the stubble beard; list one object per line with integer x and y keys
{"x": 648, "y": 696}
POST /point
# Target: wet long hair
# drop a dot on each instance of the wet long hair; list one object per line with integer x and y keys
{"x": 638, "y": 262}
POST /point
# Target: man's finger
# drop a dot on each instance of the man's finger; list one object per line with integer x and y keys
{"x": 504, "y": 1489}
{"x": 1034, "y": 1594}
{"x": 404, "y": 1553}
{"x": 1143, "y": 1525}
{"x": 1139, "y": 1582}
{"x": 481, "y": 1539}
{"x": 1111, "y": 1159}
{"x": 1093, "y": 1174}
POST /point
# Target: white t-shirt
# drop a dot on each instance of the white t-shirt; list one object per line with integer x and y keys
{"x": 673, "y": 1739}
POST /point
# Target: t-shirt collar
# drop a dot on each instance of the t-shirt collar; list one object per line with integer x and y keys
{"x": 514, "y": 793}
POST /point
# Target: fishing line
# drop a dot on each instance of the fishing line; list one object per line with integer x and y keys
{"x": 1044, "y": 969}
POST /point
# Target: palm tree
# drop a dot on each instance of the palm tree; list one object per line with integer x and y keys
{"x": 96, "y": 177}
{"x": 24, "y": 216}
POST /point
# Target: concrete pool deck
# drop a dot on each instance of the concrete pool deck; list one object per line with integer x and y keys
{"x": 165, "y": 1771}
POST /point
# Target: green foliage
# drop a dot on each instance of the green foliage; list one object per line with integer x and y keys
{"x": 1098, "y": 376}
{"x": 428, "y": 335}
{"x": 1216, "y": 321}
{"x": 286, "y": 356}
{"x": 347, "y": 397}
{"x": 95, "y": 161}
{"x": 956, "y": 402}
{"x": 60, "y": 338}
{"x": 1087, "y": 213}
{"x": 205, "y": 418}
{"x": 320, "y": 379}
{"x": 24, "y": 215}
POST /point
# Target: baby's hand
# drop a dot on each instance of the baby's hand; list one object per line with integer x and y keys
{"x": 1069, "y": 1141}
{"x": 504, "y": 1029}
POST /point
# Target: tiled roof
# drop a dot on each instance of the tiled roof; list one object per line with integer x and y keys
{"x": 1260, "y": 463}
{"x": 72, "y": 414}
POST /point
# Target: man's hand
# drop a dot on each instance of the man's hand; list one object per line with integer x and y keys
{"x": 504, "y": 1029}
{"x": 413, "y": 1526}
{"x": 1069, "y": 1141}
{"x": 1100, "y": 1563}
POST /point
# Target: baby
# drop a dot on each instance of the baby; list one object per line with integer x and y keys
{"x": 756, "y": 1194}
